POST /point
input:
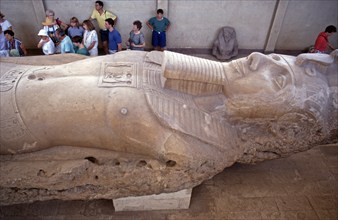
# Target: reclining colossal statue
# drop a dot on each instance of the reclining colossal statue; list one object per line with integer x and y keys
{"x": 137, "y": 123}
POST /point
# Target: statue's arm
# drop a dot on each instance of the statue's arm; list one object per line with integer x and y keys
{"x": 183, "y": 67}
{"x": 44, "y": 60}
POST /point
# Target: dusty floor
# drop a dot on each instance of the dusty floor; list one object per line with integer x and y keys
{"x": 303, "y": 186}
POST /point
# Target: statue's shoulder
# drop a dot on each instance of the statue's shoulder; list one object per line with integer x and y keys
{"x": 155, "y": 57}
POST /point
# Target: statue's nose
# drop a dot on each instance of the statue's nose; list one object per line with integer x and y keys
{"x": 258, "y": 60}
{"x": 255, "y": 60}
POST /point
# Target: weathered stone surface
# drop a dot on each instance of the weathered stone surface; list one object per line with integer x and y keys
{"x": 138, "y": 123}
{"x": 225, "y": 46}
{"x": 56, "y": 59}
{"x": 163, "y": 201}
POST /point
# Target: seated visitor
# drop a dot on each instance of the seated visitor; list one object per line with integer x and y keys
{"x": 66, "y": 45}
{"x": 322, "y": 44}
{"x": 46, "y": 43}
{"x": 14, "y": 46}
{"x": 75, "y": 28}
{"x": 136, "y": 37}
{"x": 90, "y": 38}
{"x": 79, "y": 46}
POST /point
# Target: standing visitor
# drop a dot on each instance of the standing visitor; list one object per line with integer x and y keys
{"x": 101, "y": 15}
{"x": 66, "y": 45}
{"x": 114, "y": 37}
{"x": 75, "y": 28}
{"x": 159, "y": 25}
{"x": 50, "y": 26}
{"x": 50, "y": 15}
{"x": 3, "y": 50}
{"x": 90, "y": 39}
{"x": 136, "y": 37}
{"x": 5, "y": 24}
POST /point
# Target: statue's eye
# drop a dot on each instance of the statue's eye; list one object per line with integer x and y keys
{"x": 311, "y": 71}
{"x": 280, "y": 81}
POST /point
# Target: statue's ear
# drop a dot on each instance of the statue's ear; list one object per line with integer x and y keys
{"x": 323, "y": 59}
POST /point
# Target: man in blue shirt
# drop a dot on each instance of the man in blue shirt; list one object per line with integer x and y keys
{"x": 114, "y": 38}
{"x": 66, "y": 43}
{"x": 159, "y": 25}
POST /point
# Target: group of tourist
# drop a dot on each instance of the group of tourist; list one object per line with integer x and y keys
{"x": 59, "y": 37}
{"x": 9, "y": 45}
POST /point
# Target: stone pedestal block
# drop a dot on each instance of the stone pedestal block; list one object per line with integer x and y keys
{"x": 163, "y": 201}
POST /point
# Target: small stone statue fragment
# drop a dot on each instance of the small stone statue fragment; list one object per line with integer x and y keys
{"x": 225, "y": 46}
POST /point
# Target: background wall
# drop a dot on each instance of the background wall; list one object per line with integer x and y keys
{"x": 304, "y": 19}
{"x": 260, "y": 24}
{"x": 197, "y": 23}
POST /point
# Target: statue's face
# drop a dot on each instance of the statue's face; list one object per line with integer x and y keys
{"x": 269, "y": 86}
{"x": 228, "y": 35}
{"x": 258, "y": 74}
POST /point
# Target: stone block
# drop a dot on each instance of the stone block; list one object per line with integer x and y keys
{"x": 163, "y": 201}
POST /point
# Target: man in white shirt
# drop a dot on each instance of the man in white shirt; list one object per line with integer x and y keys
{"x": 3, "y": 50}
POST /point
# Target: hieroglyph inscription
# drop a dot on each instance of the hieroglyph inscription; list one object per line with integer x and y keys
{"x": 118, "y": 74}
{"x": 12, "y": 129}
{"x": 8, "y": 80}
{"x": 11, "y": 126}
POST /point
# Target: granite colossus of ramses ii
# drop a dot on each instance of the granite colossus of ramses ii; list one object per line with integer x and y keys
{"x": 137, "y": 123}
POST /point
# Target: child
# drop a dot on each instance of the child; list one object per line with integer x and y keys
{"x": 46, "y": 43}
{"x": 90, "y": 39}
{"x": 75, "y": 28}
{"x": 136, "y": 37}
{"x": 322, "y": 44}
{"x": 79, "y": 46}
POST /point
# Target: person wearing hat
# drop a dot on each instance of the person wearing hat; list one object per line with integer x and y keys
{"x": 46, "y": 43}
{"x": 15, "y": 47}
{"x": 50, "y": 14}
{"x": 50, "y": 26}
{"x": 5, "y": 24}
